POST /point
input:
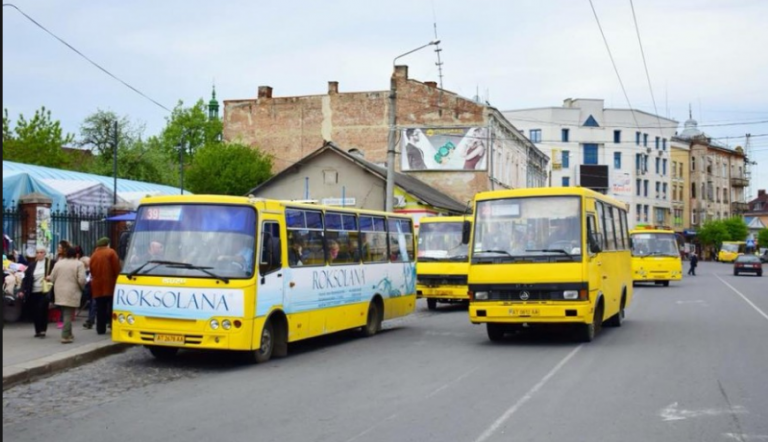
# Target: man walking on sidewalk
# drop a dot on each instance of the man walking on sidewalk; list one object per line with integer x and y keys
{"x": 105, "y": 267}
{"x": 694, "y": 262}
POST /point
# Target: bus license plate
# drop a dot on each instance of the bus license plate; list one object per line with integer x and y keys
{"x": 524, "y": 311}
{"x": 169, "y": 339}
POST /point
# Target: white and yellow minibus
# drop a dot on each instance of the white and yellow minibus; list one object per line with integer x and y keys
{"x": 238, "y": 273}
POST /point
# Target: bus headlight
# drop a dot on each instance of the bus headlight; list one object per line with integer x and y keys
{"x": 214, "y": 324}
{"x": 571, "y": 294}
{"x": 226, "y": 324}
{"x": 121, "y": 318}
{"x": 481, "y": 295}
{"x": 130, "y": 319}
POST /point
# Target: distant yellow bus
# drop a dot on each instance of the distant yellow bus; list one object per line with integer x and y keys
{"x": 442, "y": 261}
{"x": 236, "y": 273}
{"x": 655, "y": 256}
{"x": 730, "y": 250}
{"x": 548, "y": 256}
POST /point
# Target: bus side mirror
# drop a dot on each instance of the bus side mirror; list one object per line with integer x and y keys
{"x": 466, "y": 230}
{"x": 594, "y": 242}
{"x": 631, "y": 243}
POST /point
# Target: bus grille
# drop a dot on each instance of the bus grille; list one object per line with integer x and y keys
{"x": 438, "y": 280}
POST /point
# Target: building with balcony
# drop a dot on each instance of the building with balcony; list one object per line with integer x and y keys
{"x": 718, "y": 178}
{"x": 624, "y": 153}
{"x": 680, "y": 185}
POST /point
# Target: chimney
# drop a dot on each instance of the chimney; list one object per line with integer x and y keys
{"x": 760, "y": 193}
{"x": 432, "y": 84}
{"x": 333, "y": 87}
{"x": 265, "y": 91}
{"x": 401, "y": 72}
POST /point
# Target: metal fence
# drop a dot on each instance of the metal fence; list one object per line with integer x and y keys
{"x": 13, "y": 219}
{"x": 81, "y": 226}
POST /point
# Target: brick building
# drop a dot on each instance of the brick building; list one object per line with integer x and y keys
{"x": 449, "y": 128}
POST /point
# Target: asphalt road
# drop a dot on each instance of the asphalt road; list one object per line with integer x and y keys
{"x": 689, "y": 364}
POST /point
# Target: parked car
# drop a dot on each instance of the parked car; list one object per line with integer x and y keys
{"x": 764, "y": 256}
{"x": 747, "y": 264}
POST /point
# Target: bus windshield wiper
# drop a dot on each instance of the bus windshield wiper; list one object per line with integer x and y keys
{"x": 152, "y": 261}
{"x": 503, "y": 252}
{"x": 426, "y": 259}
{"x": 206, "y": 270}
{"x": 551, "y": 250}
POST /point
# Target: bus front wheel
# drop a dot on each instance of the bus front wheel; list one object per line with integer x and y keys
{"x": 588, "y": 332}
{"x": 266, "y": 344}
{"x": 432, "y": 304}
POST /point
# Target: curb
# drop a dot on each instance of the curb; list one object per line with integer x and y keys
{"x": 48, "y": 366}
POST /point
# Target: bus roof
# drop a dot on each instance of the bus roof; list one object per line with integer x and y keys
{"x": 444, "y": 219}
{"x": 547, "y": 191}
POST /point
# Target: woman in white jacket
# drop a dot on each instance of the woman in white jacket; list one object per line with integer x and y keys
{"x": 68, "y": 277}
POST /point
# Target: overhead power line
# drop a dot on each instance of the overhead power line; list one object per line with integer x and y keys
{"x": 645, "y": 64}
{"x": 10, "y": 5}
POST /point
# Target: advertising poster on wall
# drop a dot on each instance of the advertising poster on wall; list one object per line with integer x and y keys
{"x": 447, "y": 148}
{"x": 622, "y": 184}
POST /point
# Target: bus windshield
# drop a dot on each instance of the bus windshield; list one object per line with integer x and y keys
{"x": 541, "y": 229}
{"x": 733, "y": 247}
{"x": 200, "y": 240}
{"x": 654, "y": 244}
{"x": 442, "y": 242}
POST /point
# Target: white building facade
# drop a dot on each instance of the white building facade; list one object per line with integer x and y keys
{"x": 624, "y": 153}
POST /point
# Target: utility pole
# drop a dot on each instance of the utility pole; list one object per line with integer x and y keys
{"x": 390, "y": 191}
{"x": 114, "y": 166}
{"x": 181, "y": 164}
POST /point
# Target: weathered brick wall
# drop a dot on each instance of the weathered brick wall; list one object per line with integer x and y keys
{"x": 289, "y": 128}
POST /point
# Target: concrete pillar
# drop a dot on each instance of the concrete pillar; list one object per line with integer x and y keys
{"x": 36, "y": 225}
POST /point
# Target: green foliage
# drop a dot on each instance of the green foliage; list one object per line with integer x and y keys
{"x": 713, "y": 233}
{"x": 737, "y": 228}
{"x": 227, "y": 169}
{"x": 196, "y": 128}
{"x": 97, "y": 133}
{"x": 140, "y": 161}
{"x": 762, "y": 238}
{"x": 37, "y": 141}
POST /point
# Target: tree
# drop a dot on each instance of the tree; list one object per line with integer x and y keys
{"x": 196, "y": 128}
{"x": 140, "y": 161}
{"x": 97, "y": 133}
{"x": 713, "y": 233}
{"x": 37, "y": 141}
{"x": 228, "y": 169}
{"x": 737, "y": 228}
{"x": 762, "y": 238}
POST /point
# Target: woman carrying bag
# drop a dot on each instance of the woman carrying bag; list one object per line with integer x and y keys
{"x": 38, "y": 290}
{"x": 68, "y": 276}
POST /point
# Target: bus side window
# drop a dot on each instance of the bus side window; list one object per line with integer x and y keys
{"x": 270, "y": 248}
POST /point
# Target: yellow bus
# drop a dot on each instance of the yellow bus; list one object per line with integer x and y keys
{"x": 238, "y": 273}
{"x": 730, "y": 250}
{"x": 655, "y": 256}
{"x": 548, "y": 256}
{"x": 442, "y": 261}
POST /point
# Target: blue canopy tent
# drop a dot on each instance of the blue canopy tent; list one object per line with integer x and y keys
{"x": 16, "y": 186}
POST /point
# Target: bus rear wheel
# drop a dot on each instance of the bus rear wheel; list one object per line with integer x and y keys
{"x": 432, "y": 304}
{"x": 163, "y": 353}
{"x": 373, "y": 323}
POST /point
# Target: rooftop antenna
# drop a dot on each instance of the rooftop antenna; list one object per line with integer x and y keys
{"x": 439, "y": 63}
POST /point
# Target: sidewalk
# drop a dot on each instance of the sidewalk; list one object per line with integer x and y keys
{"x": 26, "y": 358}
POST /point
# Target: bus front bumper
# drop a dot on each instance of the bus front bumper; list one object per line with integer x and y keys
{"x": 483, "y": 312}
{"x": 457, "y": 293}
{"x": 186, "y": 334}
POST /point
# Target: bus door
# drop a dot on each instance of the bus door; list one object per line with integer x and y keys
{"x": 596, "y": 270}
{"x": 269, "y": 282}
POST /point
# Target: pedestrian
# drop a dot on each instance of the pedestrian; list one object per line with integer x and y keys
{"x": 694, "y": 262}
{"x": 35, "y": 290}
{"x": 105, "y": 266}
{"x": 68, "y": 278}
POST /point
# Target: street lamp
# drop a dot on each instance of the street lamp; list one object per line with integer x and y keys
{"x": 390, "y": 192}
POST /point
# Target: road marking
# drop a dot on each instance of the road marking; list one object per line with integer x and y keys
{"x": 699, "y": 301}
{"x": 674, "y": 413}
{"x": 512, "y": 410}
{"x": 743, "y": 297}
{"x": 378, "y": 424}
{"x": 745, "y": 437}
{"x": 458, "y": 379}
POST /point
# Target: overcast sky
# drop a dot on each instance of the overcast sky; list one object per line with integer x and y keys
{"x": 710, "y": 54}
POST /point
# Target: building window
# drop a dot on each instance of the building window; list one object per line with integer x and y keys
{"x": 617, "y": 136}
{"x": 566, "y": 181}
{"x": 536, "y": 135}
{"x": 637, "y": 138}
{"x": 566, "y": 159}
{"x": 638, "y": 163}
{"x": 693, "y": 190}
{"x": 639, "y": 186}
{"x": 658, "y": 189}
{"x": 664, "y": 168}
{"x": 645, "y": 140}
{"x": 590, "y": 154}
{"x": 658, "y": 162}
{"x": 693, "y": 218}
{"x": 564, "y": 135}
{"x": 617, "y": 160}
{"x": 693, "y": 163}
{"x": 645, "y": 213}
{"x": 664, "y": 144}
{"x": 659, "y": 216}
{"x": 645, "y": 188}
{"x": 658, "y": 143}
{"x": 664, "y": 188}
{"x": 638, "y": 210}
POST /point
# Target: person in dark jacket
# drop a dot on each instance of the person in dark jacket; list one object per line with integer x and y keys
{"x": 105, "y": 267}
{"x": 32, "y": 285}
{"x": 694, "y": 263}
